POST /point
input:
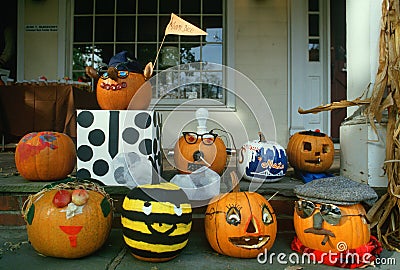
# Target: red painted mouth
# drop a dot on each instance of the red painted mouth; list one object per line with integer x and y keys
{"x": 72, "y": 231}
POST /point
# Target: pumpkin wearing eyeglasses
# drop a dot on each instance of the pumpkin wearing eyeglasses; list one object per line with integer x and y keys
{"x": 121, "y": 82}
{"x": 194, "y": 150}
{"x": 328, "y": 227}
{"x": 310, "y": 151}
{"x": 240, "y": 224}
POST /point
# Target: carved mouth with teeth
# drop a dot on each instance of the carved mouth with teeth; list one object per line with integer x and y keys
{"x": 113, "y": 86}
{"x": 250, "y": 242}
{"x": 314, "y": 161}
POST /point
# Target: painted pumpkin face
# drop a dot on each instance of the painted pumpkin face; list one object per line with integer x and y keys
{"x": 240, "y": 224}
{"x": 156, "y": 221}
{"x": 72, "y": 231}
{"x": 193, "y": 151}
{"x": 313, "y": 226}
{"x": 116, "y": 88}
{"x": 55, "y": 152}
{"x": 310, "y": 151}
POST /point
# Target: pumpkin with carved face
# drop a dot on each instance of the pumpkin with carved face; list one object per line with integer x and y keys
{"x": 310, "y": 151}
{"x": 240, "y": 224}
{"x": 328, "y": 227}
{"x": 156, "y": 221}
{"x": 68, "y": 220}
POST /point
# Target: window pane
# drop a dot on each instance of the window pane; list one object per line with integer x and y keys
{"x": 195, "y": 20}
{"x": 104, "y": 29}
{"x": 313, "y": 5}
{"x": 169, "y": 56}
{"x": 146, "y": 53}
{"x": 104, "y": 6}
{"x": 125, "y": 28}
{"x": 212, "y": 53}
{"x": 213, "y": 26}
{"x": 190, "y": 7}
{"x": 126, "y": 7}
{"x": 190, "y": 53}
{"x": 170, "y": 6}
{"x": 212, "y": 6}
{"x": 147, "y": 6}
{"x": 147, "y": 28}
{"x": 313, "y": 50}
{"x": 82, "y": 57}
{"x": 313, "y": 25}
{"x": 83, "y": 29}
{"x": 83, "y": 7}
{"x": 211, "y": 91}
{"x": 103, "y": 54}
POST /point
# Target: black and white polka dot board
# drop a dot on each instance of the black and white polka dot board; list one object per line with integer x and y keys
{"x": 113, "y": 145}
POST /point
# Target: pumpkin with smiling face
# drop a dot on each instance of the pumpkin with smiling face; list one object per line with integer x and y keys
{"x": 316, "y": 232}
{"x": 310, "y": 151}
{"x": 240, "y": 224}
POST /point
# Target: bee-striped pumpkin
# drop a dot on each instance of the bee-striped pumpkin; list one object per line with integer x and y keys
{"x": 156, "y": 221}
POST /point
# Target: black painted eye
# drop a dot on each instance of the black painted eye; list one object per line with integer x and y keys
{"x": 266, "y": 215}
{"x": 233, "y": 216}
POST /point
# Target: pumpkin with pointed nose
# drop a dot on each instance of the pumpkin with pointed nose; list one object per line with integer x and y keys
{"x": 240, "y": 224}
{"x": 331, "y": 228}
{"x": 310, "y": 151}
{"x": 123, "y": 81}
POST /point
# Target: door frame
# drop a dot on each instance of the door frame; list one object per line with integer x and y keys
{"x": 298, "y": 53}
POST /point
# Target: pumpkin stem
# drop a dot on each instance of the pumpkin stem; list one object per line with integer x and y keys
{"x": 235, "y": 182}
{"x": 262, "y": 137}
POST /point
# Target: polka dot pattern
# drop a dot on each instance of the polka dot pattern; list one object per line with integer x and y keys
{"x": 138, "y": 132}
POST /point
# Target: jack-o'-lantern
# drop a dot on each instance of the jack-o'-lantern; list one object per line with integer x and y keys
{"x": 68, "y": 220}
{"x": 156, "y": 220}
{"x": 328, "y": 227}
{"x": 262, "y": 160}
{"x": 120, "y": 83}
{"x": 45, "y": 156}
{"x": 310, "y": 151}
{"x": 240, "y": 224}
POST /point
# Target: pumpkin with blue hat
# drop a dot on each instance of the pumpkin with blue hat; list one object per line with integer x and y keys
{"x": 329, "y": 218}
{"x": 124, "y": 83}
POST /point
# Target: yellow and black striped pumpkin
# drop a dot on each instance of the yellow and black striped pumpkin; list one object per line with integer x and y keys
{"x": 156, "y": 221}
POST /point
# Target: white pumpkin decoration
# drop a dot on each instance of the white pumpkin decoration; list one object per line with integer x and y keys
{"x": 262, "y": 161}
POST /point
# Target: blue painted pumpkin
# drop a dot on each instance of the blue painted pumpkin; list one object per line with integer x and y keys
{"x": 262, "y": 161}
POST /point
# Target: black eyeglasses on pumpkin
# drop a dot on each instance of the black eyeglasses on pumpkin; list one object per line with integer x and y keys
{"x": 206, "y": 138}
{"x": 329, "y": 212}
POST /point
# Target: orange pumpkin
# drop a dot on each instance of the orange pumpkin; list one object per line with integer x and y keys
{"x": 190, "y": 156}
{"x": 351, "y": 232}
{"x": 116, "y": 92}
{"x": 45, "y": 156}
{"x": 240, "y": 224}
{"x": 310, "y": 151}
{"x": 71, "y": 231}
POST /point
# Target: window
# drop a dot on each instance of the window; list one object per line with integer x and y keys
{"x": 313, "y": 31}
{"x": 103, "y": 28}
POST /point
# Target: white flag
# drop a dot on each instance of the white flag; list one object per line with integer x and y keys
{"x": 178, "y": 26}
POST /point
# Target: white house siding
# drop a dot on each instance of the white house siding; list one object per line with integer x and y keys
{"x": 261, "y": 53}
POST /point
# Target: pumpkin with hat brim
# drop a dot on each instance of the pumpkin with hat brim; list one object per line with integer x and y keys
{"x": 124, "y": 81}
{"x": 329, "y": 216}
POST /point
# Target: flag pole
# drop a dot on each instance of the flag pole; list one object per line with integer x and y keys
{"x": 159, "y": 49}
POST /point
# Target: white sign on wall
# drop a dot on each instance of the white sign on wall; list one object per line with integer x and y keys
{"x": 41, "y": 28}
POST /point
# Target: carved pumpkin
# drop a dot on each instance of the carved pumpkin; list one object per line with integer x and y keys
{"x": 262, "y": 161}
{"x": 193, "y": 151}
{"x": 74, "y": 230}
{"x": 240, "y": 224}
{"x": 156, "y": 221}
{"x": 316, "y": 233}
{"x": 45, "y": 156}
{"x": 310, "y": 151}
